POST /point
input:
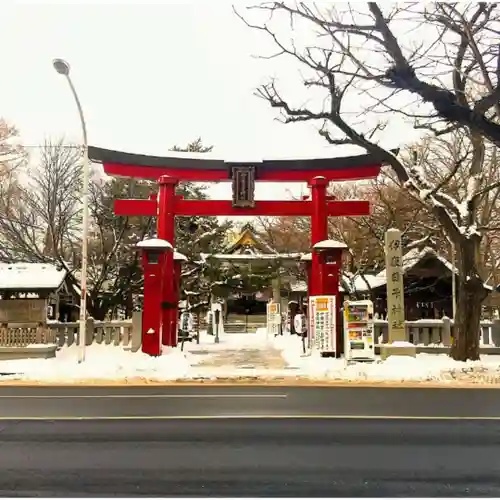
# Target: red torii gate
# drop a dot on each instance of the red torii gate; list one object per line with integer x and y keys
{"x": 169, "y": 171}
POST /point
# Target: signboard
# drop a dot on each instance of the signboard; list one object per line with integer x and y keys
{"x": 359, "y": 342}
{"x": 300, "y": 324}
{"x": 23, "y": 311}
{"x": 323, "y": 322}
{"x": 273, "y": 318}
{"x": 243, "y": 186}
{"x": 217, "y": 318}
{"x": 395, "y": 288}
{"x": 187, "y": 322}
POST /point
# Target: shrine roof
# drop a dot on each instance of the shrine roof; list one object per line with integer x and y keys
{"x": 248, "y": 237}
{"x": 207, "y": 161}
{"x": 28, "y": 276}
{"x": 248, "y": 257}
{"x": 410, "y": 259}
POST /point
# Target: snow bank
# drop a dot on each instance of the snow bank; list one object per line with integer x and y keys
{"x": 424, "y": 367}
{"x": 227, "y": 359}
{"x": 101, "y": 362}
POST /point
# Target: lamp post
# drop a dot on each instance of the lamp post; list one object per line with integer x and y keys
{"x": 62, "y": 67}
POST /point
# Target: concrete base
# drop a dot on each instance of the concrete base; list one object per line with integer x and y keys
{"x": 38, "y": 352}
{"x": 387, "y": 350}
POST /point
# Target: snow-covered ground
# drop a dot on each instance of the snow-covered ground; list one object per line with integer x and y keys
{"x": 243, "y": 356}
{"x": 424, "y": 367}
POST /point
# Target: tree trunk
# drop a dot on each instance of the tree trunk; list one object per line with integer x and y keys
{"x": 470, "y": 294}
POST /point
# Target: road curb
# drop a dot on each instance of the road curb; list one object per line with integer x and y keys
{"x": 286, "y": 382}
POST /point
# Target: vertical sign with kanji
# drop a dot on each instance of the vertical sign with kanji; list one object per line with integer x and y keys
{"x": 395, "y": 288}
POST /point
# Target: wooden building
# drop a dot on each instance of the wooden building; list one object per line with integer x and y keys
{"x": 428, "y": 284}
{"x": 44, "y": 281}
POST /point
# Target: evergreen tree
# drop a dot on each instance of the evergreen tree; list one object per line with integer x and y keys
{"x": 115, "y": 270}
{"x": 199, "y": 235}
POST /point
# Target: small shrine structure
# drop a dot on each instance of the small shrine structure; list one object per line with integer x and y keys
{"x": 29, "y": 295}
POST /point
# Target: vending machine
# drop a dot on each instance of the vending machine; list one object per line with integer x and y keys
{"x": 323, "y": 323}
{"x": 359, "y": 332}
{"x": 273, "y": 318}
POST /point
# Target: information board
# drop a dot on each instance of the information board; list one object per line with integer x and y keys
{"x": 323, "y": 322}
{"x": 359, "y": 332}
{"x": 273, "y": 318}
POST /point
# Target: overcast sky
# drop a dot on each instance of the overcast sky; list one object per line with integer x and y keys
{"x": 150, "y": 76}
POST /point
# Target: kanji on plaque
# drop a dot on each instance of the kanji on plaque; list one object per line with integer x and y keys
{"x": 395, "y": 285}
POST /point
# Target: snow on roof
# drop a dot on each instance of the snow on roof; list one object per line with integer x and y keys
{"x": 246, "y": 234}
{"x": 298, "y": 286}
{"x": 245, "y": 256}
{"x": 414, "y": 256}
{"x": 154, "y": 243}
{"x": 30, "y": 276}
{"x": 411, "y": 259}
{"x": 179, "y": 256}
{"x": 243, "y": 159}
{"x": 326, "y": 244}
{"x": 301, "y": 286}
{"x": 366, "y": 282}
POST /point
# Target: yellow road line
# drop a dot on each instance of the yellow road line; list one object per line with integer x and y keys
{"x": 246, "y": 417}
{"x": 255, "y": 384}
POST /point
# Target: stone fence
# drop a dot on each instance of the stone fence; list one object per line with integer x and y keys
{"x": 127, "y": 333}
{"x": 437, "y": 331}
{"x": 24, "y": 334}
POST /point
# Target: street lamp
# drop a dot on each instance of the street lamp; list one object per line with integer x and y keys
{"x": 62, "y": 67}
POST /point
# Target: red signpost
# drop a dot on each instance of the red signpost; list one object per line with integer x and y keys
{"x": 167, "y": 205}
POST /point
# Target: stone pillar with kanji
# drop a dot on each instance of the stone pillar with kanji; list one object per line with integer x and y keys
{"x": 398, "y": 341}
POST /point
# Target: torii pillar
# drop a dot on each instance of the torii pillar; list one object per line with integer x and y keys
{"x": 166, "y": 231}
{"x": 319, "y": 230}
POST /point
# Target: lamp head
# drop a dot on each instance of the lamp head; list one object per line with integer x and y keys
{"x": 61, "y": 66}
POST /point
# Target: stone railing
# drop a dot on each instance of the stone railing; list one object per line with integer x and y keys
{"x": 119, "y": 333}
{"x": 25, "y": 334}
{"x": 437, "y": 331}
{"x": 125, "y": 333}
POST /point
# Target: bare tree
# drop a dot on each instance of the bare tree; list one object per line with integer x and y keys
{"x": 43, "y": 224}
{"x": 12, "y": 156}
{"x": 40, "y": 225}
{"x": 12, "y": 153}
{"x": 449, "y": 62}
{"x": 115, "y": 272}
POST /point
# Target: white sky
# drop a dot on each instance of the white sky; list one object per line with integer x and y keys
{"x": 150, "y": 76}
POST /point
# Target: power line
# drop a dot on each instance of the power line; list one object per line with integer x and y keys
{"x": 41, "y": 146}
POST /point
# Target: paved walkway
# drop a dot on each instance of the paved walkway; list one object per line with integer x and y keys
{"x": 238, "y": 351}
{"x": 245, "y": 358}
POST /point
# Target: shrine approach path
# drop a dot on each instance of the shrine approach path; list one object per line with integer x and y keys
{"x": 238, "y": 351}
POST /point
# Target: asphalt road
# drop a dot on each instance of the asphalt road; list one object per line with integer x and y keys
{"x": 238, "y": 401}
{"x": 252, "y": 458}
{"x": 198, "y": 441}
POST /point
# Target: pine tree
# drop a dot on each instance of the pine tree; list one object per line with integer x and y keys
{"x": 115, "y": 270}
{"x": 199, "y": 235}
